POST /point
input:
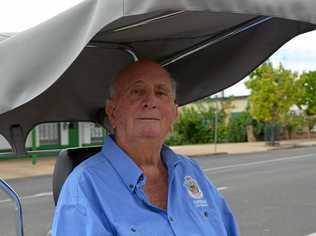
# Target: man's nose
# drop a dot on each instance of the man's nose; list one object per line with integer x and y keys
{"x": 150, "y": 101}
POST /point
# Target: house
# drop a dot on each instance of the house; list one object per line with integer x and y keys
{"x": 233, "y": 104}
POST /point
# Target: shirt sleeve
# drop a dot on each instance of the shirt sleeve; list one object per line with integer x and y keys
{"x": 76, "y": 214}
{"x": 70, "y": 220}
{"x": 227, "y": 217}
{"x": 226, "y": 214}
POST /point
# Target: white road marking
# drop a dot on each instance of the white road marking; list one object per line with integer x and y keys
{"x": 222, "y": 188}
{"x": 257, "y": 163}
{"x": 5, "y": 200}
{"x": 46, "y": 194}
{"x": 38, "y": 195}
{"x": 313, "y": 234}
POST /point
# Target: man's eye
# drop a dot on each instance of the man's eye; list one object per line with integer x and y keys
{"x": 135, "y": 91}
{"x": 162, "y": 93}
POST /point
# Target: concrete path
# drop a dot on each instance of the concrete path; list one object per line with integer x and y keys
{"x": 234, "y": 148}
{"x": 10, "y": 169}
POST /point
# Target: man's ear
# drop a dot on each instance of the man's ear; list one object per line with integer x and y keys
{"x": 174, "y": 118}
{"x": 110, "y": 111}
{"x": 176, "y": 113}
{"x": 177, "y": 110}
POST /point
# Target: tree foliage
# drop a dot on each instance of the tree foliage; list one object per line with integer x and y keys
{"x": 307, "y": 95}
{"x": 196, "y": 124}
{"x": 273, "y": 92}
{"x": 236, "y": 129}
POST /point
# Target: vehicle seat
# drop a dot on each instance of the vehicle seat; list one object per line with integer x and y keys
{"x": 66, "y": 161}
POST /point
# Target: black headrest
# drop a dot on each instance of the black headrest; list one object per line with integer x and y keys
{"x": 66, "y": 161}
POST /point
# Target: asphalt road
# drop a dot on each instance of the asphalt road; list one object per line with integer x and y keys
{"x": 271, "y": 193}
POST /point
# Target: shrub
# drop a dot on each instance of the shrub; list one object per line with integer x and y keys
{"x": 237, "y": 127}
{"x": 196, "y": 125}
{"x": 258, "y": 129}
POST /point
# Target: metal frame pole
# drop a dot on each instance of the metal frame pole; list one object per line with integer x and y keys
{"x": 147, "y": 21}
{"x": 15, "y": 198}
{"x": 216, "y": 39}
{"x": 106, "y": 45}
{"x": 216, "y": 124}
{"x": 189, "y": 51}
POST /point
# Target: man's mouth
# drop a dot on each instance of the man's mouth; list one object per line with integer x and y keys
{"x": 148, "y": 118}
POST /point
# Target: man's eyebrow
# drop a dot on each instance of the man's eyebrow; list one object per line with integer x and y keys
{"x": 164, "y": 86}
{"x": 140, "y": 82}
{"x": 135, "y": 83}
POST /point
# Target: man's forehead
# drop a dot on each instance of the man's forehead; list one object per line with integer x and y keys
{"x": 143, "y": 72}
{"x": 143, "y": 82}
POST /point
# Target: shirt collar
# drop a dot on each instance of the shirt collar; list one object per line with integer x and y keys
{"x": 127, "y": 168}
{"x": 170, "y": 158}
{"x": 122, "y": 163}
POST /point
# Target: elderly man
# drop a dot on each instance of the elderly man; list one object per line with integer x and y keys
{"x": 136, "y": 185}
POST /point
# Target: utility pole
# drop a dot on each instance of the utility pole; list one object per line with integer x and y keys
{"x": 215, "y": 128}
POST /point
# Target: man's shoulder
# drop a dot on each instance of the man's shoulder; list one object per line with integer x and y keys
{"x": 187, "y": 161}
{"x": 88, "y": 167}
{"x": 86, "y": 171}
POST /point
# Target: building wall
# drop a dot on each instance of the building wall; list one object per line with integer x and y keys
{"x": 88, "y": 134}
{"x": 238, "y": 104}
{"x": 85, "y": 133}
{"x": 4, "y": 143}
{"x": 64, "y": 134}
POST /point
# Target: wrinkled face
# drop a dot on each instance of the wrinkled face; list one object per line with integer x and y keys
{"x": 142, "y": 106}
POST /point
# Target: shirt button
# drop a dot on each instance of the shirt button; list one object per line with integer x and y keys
{"x": 170, "y": 219}
{"x": 131, "y": 186}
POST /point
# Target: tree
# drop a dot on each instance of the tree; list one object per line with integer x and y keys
{"x": 307, "y": 97}
{"x": 273, "y": 92}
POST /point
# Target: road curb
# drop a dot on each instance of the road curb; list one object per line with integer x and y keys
{"x": 293, "y": 146}
{"x": 209, "y": 154}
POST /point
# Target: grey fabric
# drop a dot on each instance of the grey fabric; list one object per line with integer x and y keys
{"x": 4, "y": 36}
{"x": 67, "y": 160}
{"x": 60, "y": 70}
{"x": 301, "y": 10}
{"x": 33, "y": 60}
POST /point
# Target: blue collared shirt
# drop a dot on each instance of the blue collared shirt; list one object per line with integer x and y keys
{"x": 104, "y": 195}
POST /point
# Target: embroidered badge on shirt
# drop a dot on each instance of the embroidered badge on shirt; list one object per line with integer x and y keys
{"x": 192, "y": 187}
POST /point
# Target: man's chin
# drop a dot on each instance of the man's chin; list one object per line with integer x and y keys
{"x": 150, "y": 135}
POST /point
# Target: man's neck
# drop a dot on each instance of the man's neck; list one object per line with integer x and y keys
{"x": 144, "y": 152}
{"x": 146, "y": 155}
